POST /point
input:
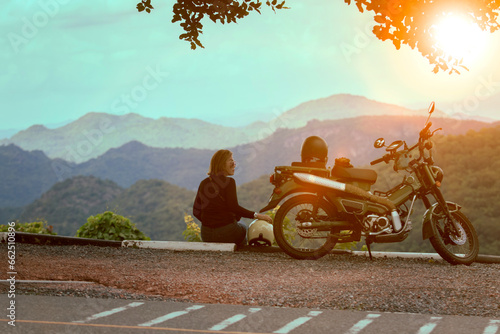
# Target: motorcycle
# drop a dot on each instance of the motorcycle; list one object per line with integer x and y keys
{"x": 320, "y": 207}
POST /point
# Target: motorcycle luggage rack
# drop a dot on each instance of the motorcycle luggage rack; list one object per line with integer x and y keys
{"x": 381, "y": 193}
{"x": 322, "y": 172}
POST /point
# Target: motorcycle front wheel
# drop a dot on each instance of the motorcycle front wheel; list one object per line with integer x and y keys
{"x": 302, "y": 243}
{"x": 456, "y": 249}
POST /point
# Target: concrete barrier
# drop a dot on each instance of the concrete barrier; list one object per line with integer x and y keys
{"x": 409, "y": 255}
{"x": 47, "y": 239}
{"x": 181, "y": 245}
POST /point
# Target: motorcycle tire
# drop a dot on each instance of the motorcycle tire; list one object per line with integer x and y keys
{"x": 290, "y": 238}
{"x": 461, "y": 250}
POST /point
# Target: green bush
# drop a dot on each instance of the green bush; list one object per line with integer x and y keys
{"x": 110, "y": 226}
{"x": 40, "y": 227}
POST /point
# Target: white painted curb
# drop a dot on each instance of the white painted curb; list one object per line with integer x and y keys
{"x": 433, "y": 256}
{"x": 181, "y": 245}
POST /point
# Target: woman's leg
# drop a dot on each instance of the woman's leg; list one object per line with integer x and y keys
{"x": 232, "y": 233}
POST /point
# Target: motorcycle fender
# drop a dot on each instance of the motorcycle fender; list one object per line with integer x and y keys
{"x": 273, "y": 202}
{"x": 289, "y": 189}
{"x": 427, "y": 230}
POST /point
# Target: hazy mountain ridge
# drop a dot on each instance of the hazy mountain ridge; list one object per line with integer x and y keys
{"x": 352, "y": 138}
{"x": 27, "y": 175}
{"x": 95, "y": 133}
{"x": 342, "y": 106}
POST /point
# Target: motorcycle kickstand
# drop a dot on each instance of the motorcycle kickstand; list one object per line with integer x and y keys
{"x": 368, "y": 243}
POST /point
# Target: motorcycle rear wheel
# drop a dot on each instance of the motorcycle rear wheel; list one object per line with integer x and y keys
{"x": 456, "y": 250}
{"x": 290, "y": 238}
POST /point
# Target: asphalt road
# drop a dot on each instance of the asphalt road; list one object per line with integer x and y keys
{"x": 48, "y": 314}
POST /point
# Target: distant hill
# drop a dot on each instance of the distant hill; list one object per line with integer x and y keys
{"x": 24, "y": 176}
{"x": 254, "y": 195}
{"x": 95, "y": 133}
{"x": 68, "y": 204}
{"x": 156, "y": 207}
{"x": 135, "y": 161}
{"x": 342, "y": 106}
{"x": 351, "y": 138}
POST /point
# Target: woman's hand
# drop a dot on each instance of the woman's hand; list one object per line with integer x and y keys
{"x": 265, "y": 217}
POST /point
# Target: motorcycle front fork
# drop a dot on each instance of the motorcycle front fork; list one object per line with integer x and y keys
{"x": 438, "y": 195}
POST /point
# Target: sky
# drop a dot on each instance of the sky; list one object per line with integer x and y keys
{"x": 64, "y": 58}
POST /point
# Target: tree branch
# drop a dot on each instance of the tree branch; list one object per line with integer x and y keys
{"x": 190, "y": 13}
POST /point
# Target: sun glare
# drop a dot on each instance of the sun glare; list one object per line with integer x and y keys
{"x": 460, "y": 38}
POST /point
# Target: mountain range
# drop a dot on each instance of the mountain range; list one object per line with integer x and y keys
{"x": 95, "y": 133}
{"x": 28, "y": 174}
{"x": 128, "y": 148}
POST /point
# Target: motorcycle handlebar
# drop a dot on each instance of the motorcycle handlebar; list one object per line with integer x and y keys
{"x": 377, "y": 161}
{"x": 424, "y": 134}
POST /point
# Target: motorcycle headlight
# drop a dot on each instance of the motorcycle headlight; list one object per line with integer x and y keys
{"x": 438, "y": 174}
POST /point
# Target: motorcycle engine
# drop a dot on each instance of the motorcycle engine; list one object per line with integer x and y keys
{"x": 375, "y": 224}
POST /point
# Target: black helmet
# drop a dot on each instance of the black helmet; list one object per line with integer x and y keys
{"x": 314, "y": 149}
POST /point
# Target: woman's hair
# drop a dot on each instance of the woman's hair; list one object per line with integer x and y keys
{"x": 218, "y": 162}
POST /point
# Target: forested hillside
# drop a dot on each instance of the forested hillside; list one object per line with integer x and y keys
{"x": 156, "y": 207}
{"x": 24, "y": 176}
{"x": 68, "y": 204}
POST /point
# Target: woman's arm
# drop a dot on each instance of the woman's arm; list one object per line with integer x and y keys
{"x": 232, "y": 201}
{"x": 197, "y": 206}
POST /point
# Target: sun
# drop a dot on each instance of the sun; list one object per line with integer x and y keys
{"x": 459, "y": 38}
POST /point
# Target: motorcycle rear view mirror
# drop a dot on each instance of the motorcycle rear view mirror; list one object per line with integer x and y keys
{"x": 431, "y": 110}
{"x": 431, "y": 107}
{"x": 379, "y": 143}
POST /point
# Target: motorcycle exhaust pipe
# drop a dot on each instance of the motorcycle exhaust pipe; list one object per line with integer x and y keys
{"x": 345, "y": 225}
{"x": 353, "y": 190}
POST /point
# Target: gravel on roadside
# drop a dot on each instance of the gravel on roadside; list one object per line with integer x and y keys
{"x": 259, "y": 279}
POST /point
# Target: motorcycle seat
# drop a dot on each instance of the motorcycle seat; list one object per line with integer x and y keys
{"x": 354, "y": 174}
{"x": 309, "y": 164}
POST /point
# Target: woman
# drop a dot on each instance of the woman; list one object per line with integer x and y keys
{"x": 216, "y": 204}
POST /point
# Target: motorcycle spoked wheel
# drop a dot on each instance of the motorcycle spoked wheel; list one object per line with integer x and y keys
{"x": 304, "y": 244}
{"x": 462, "y": 249}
